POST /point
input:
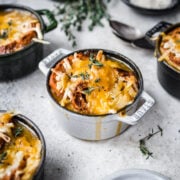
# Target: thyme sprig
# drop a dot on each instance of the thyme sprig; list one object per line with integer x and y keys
{"x": 89, "y": 90}
{"x": 145, "y": 151}
{"x": 97, "y": 80}
{"x": 142, "y": 142}
{"x": 4, "y": 34}
{"x": 84, "y": 76}
{"x": 93, "y": 61}
{"x": 2, "y": 157}
{"x": 74, "y": 12}
{"x": 18, "y": 131}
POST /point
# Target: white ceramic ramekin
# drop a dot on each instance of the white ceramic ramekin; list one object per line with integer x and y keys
{"x": 98, "y": 127}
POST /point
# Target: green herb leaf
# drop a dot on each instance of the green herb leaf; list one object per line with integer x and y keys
{"x": 97, "y": 63}
{"x": 160, "y": 129}
{"x": 88, "y": 90}
{"x": 97, "y": 80}
{"x": 18, "y": 131}
{"x": 90, "y": 66}
{"x": 94, "y": 61}
{"x": 142, "y": 142}
{"x": 85, "y": 76}
{"x": 75, "y": 76}
{"x": 2, "y": 157}
{"x": 10, "y": 23}
{"x": 4, "y": 34}
{"x": 74, "y": 12}
{"x": 178, "y": 41}
{"x": 145, "y": 151}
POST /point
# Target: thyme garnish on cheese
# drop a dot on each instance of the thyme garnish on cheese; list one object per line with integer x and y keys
{"x": 84, "y": 76}
{"x": 18, "y": 131}
{"x": 93, "y": 61}
{"x": 2, "y": 157}
{"x": 97, "y": 80}
{"x": 89, "y": 90}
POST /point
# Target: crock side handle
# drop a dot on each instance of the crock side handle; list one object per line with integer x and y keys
{"x": 140, "y": 112}
{"x": 153, "y": 33}
{"x": 51, "y": 18}
{"x": 47, "y": 62}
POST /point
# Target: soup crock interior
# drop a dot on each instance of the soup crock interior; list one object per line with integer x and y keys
{"x": 21, "y": 8}
{"x": 33, "y": 128}
{"x": 24, "y": 61}
{"x": 168, "y": 67}
{"x": 113, "y": 55}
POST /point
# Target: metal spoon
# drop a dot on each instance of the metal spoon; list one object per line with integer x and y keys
{"x": 130, "y": 34}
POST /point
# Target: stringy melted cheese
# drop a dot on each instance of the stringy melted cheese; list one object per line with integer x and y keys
{"x": 23, "y": 153}
{"x": 170, "y": 48}
{"x": 102, "y": 87}
{"x": 15, "y": 27}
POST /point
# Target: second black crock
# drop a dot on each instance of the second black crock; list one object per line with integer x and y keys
{"x": 24, "y": 61}
{"x": 168, "y": 77}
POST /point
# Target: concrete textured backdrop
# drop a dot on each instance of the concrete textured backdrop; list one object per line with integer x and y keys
{"x": 69, "y": 158}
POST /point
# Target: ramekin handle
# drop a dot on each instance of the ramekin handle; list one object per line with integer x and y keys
{"x": 140, "y": 112}
{"x": 47, "y": 62}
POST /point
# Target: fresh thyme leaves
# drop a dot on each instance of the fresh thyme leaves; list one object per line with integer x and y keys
{"x": 74, "y": 12}
{"x": 97, "y": 80}
{"x": 75, "y": 76}
{"x": 94, "y": 61}
{"x": 145, "y": 151}
{"x": 142, "y": 142}
{"x": 4, "y": 34}
{"x": 88, "y": 90}
{"x": 10, "y": 22}
{"x": 84, "y": 76}
{"x": 2, "y": 157}
{"x": 18, "y": 131}
{"x": 160, "y": 130}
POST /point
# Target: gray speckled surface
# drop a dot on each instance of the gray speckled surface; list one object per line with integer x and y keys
{"x": 69, "y": 158}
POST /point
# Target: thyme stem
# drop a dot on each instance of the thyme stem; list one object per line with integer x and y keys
{"x": 74, "y": 12}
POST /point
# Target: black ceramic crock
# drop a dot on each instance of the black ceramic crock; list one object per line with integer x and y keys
{"x": 39, "y": 174}
{"x": 30, "y": 125}
{"x": 24, "y": 61}
{"x": 168, "y": 76}
{"x": 174, "y": 5}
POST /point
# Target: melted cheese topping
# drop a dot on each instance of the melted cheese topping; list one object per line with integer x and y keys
{"x": 17, "y": 29}
{"x": 20, "y": 157}
{"x": 170, "y": 48}
{"x": 93, "y": 84}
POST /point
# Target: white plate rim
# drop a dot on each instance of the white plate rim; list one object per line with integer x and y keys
{"x": 126, "y": 172}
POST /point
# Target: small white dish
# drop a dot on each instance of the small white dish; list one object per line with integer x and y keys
{"x": 136, "y": 174}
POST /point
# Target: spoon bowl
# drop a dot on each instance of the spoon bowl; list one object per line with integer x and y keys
{"x": 125, "y": 31}
{"x": 130, "y": 34}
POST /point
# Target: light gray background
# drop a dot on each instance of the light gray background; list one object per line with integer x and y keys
{"x": 69, "y": 158}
